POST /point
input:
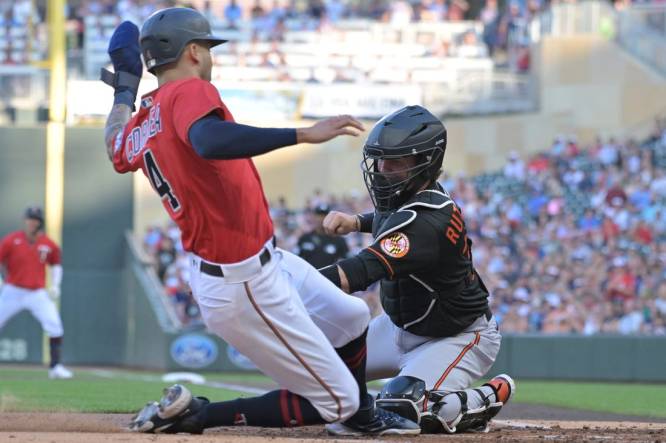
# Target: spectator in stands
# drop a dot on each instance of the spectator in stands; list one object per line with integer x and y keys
{"x": 186, "y": 307}
{"x": 608, "y": 154}
{"x": 258, "y": 17}
{"x": 232, "y": 14}
{"x": 377, "y": 10}
{"x": 589, "y": 222}
{"x": 515, "y": 168}
{"x": 316, "y": 10}
{"x": 437, "y": 10}
{"x": 318, "y": 248}
{"x": 210, "y": 15}
{"x": 470, "y": 47}
{"x": 457, "y": 10}
{"x": 658, "y": 185}
{"x": 335, "y": 10}
{"x": 277, "y": 13}
{"x": 24, "y": 12}
{"x": 166, "y": 256}
{"x": 401, "y": 13}
{"x": 490, "y": 18}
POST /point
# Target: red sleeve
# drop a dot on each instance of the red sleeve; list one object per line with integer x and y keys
{"x": 4, "y": 249}
{"x": 55, "y": 255}
{"x": 120, "y": 162}
{"x": 191, "y": 101}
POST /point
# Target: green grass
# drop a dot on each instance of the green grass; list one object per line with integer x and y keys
{"x": 621, "y": 398}
{"x": 28, "y": 389}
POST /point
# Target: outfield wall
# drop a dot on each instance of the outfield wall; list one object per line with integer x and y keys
{"x": 22, "y": 183}
{"x": 98, "y": 209}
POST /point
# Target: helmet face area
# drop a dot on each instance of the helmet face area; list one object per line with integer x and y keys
{"x": 388, "y": 179}
{"x": 404, "y": 152}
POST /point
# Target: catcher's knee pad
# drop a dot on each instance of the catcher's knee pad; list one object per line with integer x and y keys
{"x": 403, "y": 395}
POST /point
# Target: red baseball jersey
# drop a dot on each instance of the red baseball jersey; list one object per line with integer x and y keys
{"x": 25, "y": 261}
{"x": 219, "y": 205}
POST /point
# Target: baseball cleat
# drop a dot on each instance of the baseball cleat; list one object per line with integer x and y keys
{"x": 177, "y": 411}
{"x": 143, "y": 420}
{"x": 504, "y": 387}
{"x": 60, "y": 372}
{"x": 383, "y": 423}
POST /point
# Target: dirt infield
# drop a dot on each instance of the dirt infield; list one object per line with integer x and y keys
{"x": 108, "y": 428}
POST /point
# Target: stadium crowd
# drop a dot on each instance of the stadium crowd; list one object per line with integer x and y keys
{"x": 572, "y": 240}
{"x": 24, "y": 38}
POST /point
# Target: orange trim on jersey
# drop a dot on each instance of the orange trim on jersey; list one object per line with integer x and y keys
{"x": 448, "y": 370}
{"x": 298, "y": 357}
{"x": 382, "y": 258}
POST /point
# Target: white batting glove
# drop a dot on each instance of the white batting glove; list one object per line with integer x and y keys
{"x": 55, "y": 292}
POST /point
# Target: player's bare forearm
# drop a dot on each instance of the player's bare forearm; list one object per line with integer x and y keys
{"x": 329, "y": 128}
{"x": 118, "y": 117}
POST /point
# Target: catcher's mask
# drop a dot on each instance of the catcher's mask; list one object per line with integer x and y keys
{"x": 411, "y": 132}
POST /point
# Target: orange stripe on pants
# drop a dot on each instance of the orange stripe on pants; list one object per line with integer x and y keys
{"x": 448, "y": 370}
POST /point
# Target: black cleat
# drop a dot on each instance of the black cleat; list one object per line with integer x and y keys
{"x": 176, "y": 412}
{"x": 383, "y": 422}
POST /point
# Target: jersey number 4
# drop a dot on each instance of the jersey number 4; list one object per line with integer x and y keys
{"x": 160, "y": 184}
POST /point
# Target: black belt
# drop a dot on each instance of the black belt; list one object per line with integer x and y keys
{"x": 216, "y": 270}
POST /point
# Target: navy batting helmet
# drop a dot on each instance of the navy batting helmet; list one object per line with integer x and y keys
{"x": 35, "y": 213}
{"x": 166, "y": 33}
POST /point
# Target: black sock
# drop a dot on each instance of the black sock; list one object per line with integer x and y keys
{"x": 275, "y": 409}
{"x": 355, "y": 354}
{"x": 55, "y": 343}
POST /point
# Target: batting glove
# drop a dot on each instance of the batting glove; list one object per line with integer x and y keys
{"x": 125, "y": 53}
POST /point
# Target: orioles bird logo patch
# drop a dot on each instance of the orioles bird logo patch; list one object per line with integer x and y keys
{"x": 395, "y": 245}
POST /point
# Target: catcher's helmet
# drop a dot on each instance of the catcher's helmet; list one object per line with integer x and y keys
{"x": 166, "y": 32}
{"x": 409, "y": 132}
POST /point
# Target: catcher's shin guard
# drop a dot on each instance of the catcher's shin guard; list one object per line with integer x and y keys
{"x": 475, "y": 419}
{"x": 177, "y": 411}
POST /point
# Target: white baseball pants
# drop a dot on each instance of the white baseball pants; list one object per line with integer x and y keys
{"x": 14, "y": 299}
{"x": 287, "y": 318}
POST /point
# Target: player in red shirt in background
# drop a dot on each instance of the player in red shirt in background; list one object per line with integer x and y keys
{"x": 24, "y": 256}
{"x": 275, "y": 308}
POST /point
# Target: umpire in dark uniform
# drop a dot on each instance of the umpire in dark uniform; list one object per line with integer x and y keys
{"x": 319, "y": 248}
